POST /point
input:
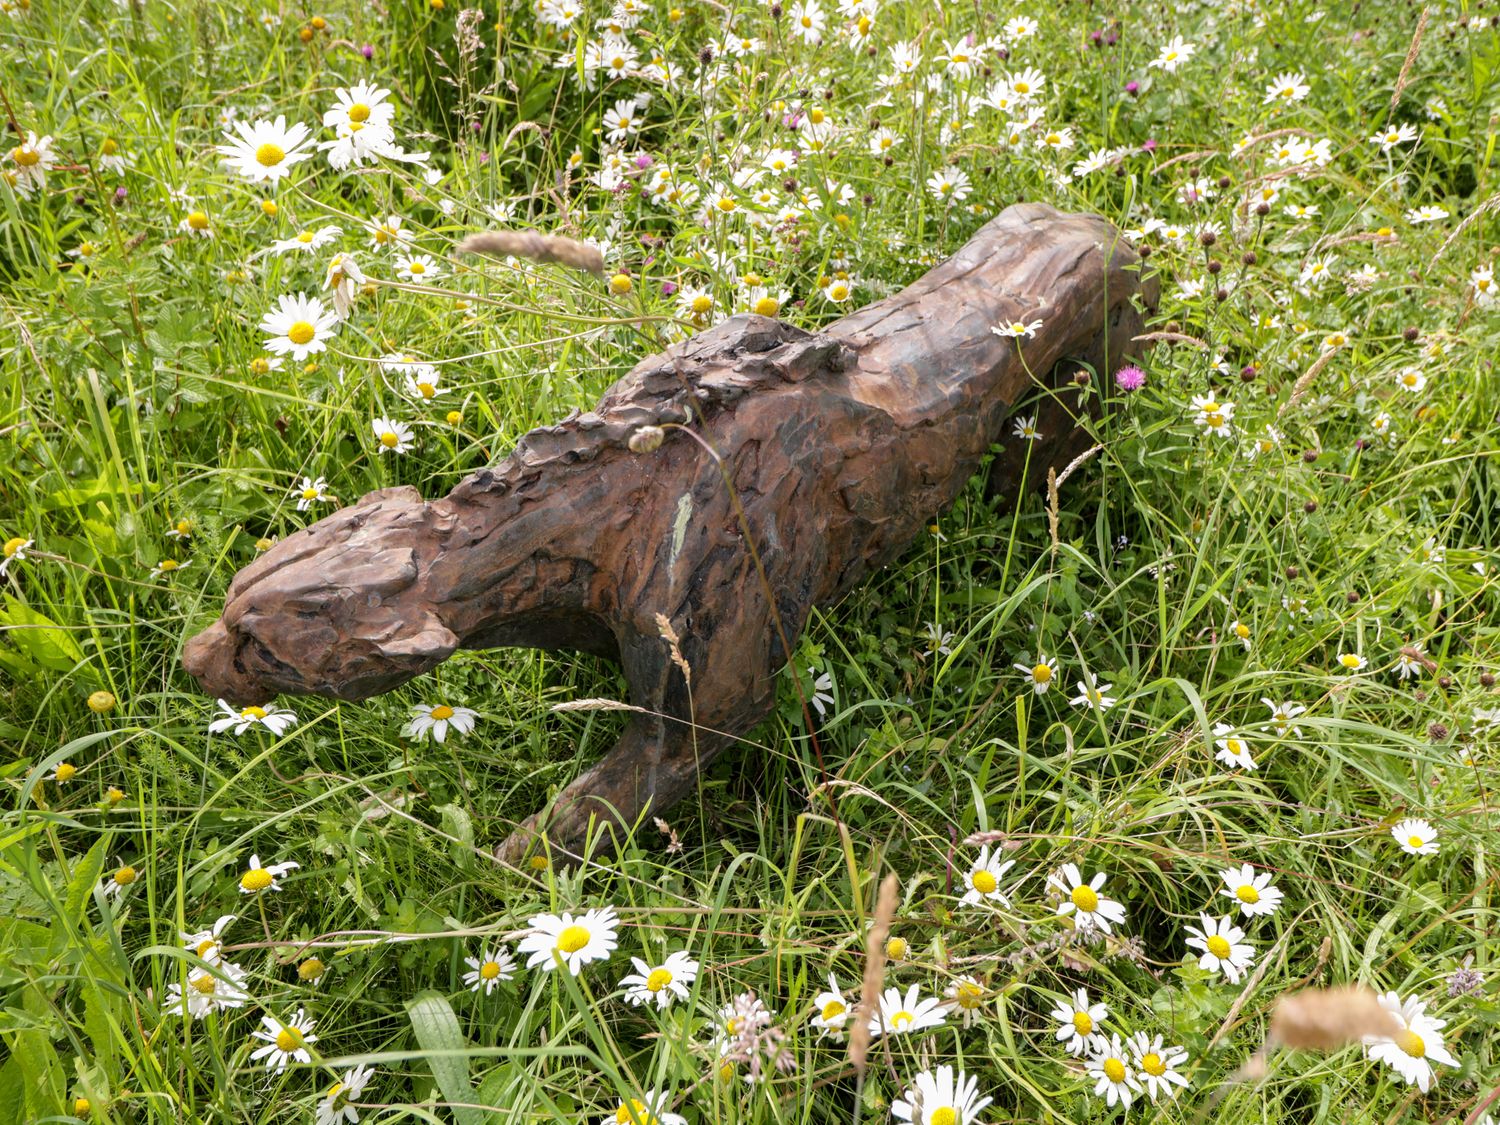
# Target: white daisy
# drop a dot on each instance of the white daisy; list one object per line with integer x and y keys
{"x": 966, "y": 995}
{"x": 305, "y": 241}
{"x": 418, "y": 267}
{"x": 275, "y": 719}
{"x": 1416, "y": 837}
{"x": 1224, "y": 947}
{"x": 833, "y": 1010}
{"x": 1042, "y": 673}
{"x": 1351, "y": 662}
{"x": 1091, "y": 910}
{"x": 362, "y": 104}
{"x": 213, "y": 989}
{"x": 1114, "y": 1078}
{"x": 258, "y": 878}
{"x": 437, "y": 719}
{"x": 660, "y": 984}
{"x": 393, "y": 436}
{"x": 265, "y": 152}
{"x": 1156, "y": 1066}
{"x": 334, "y": 1107}
{"x": 1016, "y": 329}
{"x": 1234, "y": 749}
{"x": 299, "y": 325}
{"x": 1419, "y": 1044}
{"x": 562, "y": 939}
{"x": 1091, "y": 693}
{"x": 906, "y": 1014}
{"x": 488, "y": 969}
{"x": 285, "y": 1042}
{"x": 983, "y": 880}
{"x": 940, "y": 1097}
{"x": 649, "y": 1110}
{"x": 1254, "y": 893}
{"x": 1078, "y": 1023}
{"x": 205, "y": 944}
{"x": 1282, "y": 716}
{"x": 312, "y": 492}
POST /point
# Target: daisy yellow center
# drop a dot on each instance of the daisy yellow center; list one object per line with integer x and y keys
{"x": 864, "y": 25}
{"x": 253, "y": 713}
{"x": 197, "y": 220}
{"x": 1151, "y": 1063}
{"x": 289, "y": 1039}
{"x": 269, "y": 155}
{"x": 816, "y": 116}
{"x": 767, "y": 306}
{"x": 442, "y": 711}
{"x": 125, "y": 876}
{"x": 1214, "y": 418}
{"x": 1349, "y": 661}
{"x": 204, "y": 984}
{"x": 390, "y": 440}
{"x": 633, "y": 1113}
{"x": 12, "y": 546}
{"x": 887, "y": 142}
{"x": 25, "y": 156}
{"x": 417, "y": 268}
{"x": 489, "y": 970}
{"x": 1233, "y": 745}
{"x": 427, "y": 390}
{"x": 305, "y": 237}
{"x": 968, "y": 996}
{"x": 832, "y": 1010}
{"x": 1042, "y": 674}
{"x": 256, "y": 879}
{"x": 1083, "y": 1023}
{"x": 359, "y": 112}
{"x": 205, "y": 947}
{"x": 65, "y": 771}
{"x": 807, "y": 21}
{"x": 943, "y": 1115}
{"x": 702, "y": 304}
{"x": 1385, "y": 232}
{"x": 1218, "y": 946}
{"x": 572, "y": 939}
{"x": 1114, "y": 1070}
{"x": 309, "y": 494}
{"x": 1022, "y": 87}
{"x": 1171, "y": 57}
{"x": 983, "y": 882}
{"x": 167, "y": 564}
{"x": 658, "y": 980}
{"x": 1414, "y": 841}
{"x": 301, "y": 332}
{"x": 1054, "y": 138}
{"x": 895, "y": 949}
{"x": 1410, "y": 379}
{"x": 1248, "y": 895}
{"x": 944, "y": 188}
{"x": 334, "y": 1091}
{"x": 109, "y": 147}
{"x": 259, "y": 366}
{"x": 1410, "y": 1042}
{"x": 1085, "y": 899}
{"x": 902, "y": 1020}
{"x": 839, "y": 292}
{"x": 1242, "y": 631}
{"x": 85, "y": 249}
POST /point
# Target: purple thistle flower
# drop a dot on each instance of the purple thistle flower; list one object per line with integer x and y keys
{"x": 1130, "y": 379}
{"x": 368, "y": 50}
{"x": 1132, "y": 88}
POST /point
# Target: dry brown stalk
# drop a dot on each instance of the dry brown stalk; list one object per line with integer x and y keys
{"x": 544, "y": 248}
{"x": 869, "y": 989}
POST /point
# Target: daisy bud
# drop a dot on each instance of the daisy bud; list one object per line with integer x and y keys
{"x": 101, "y": 702}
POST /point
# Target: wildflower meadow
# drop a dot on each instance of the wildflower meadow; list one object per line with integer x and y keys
{"x": 1057, "y": 819}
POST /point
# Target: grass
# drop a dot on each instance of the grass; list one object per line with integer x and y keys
{"x": 131, "y": 399}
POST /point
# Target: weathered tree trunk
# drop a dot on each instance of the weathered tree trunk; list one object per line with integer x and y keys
{"x": 840, "y": 445}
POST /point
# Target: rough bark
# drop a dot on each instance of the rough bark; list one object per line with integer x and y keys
{"x": 841, "y": 446}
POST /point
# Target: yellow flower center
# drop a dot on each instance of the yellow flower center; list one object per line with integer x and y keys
{"x": 167, "y": 564}
{"x": 390, "y": 440}
{"x": 983, "y": 882}
{"x": 109, "y": 147}
{"x": 1233, "y": 745}
{"x": 489, "y": 970}
{"x": 269, "y": 155}
{"x": 256, "y": 879}
{"x": 806, "y": 21}
{"x": 253, "y": 713}
{"x": 1114, "y": 1070}
{"x": 1214, "y": 418}
{"x": 1218, "y": 946}
{"x": 1247, "y": 894}
{"x": 902, "y": 1020}
{"x": 1042, "y": 674}
{"x": 1083, "y": 1023}
{"x": 1385, "y": 232}
{"x": 333, "y": 1092}
{"x": 205, "y": 947}
{"x": 65, "y": 771}
{"x": 572, "y": 939}
{"x": 1414, "y": 841}
{"x": 1242, "y": 631}
{"x": 309, "y": 494}
{"x": 288, "y": 1039}
{"x": 25, "y": 156}
{"x": 838, "y": 292}
{"x": 417, "y": 268}
{"x": 311, "y": 969}
{"x": 1085, "y": 899}
{"x": 114, "y": 796}
{"x": 702, "y": 304}
{"x": 633, "y": 1112}
{"x": 1410, "y": 1042}
{"x": 442, "y": 711}
{"x": 82, "y": 1107}
{"x": 197, "y": 220}
{"x": 726, "y": 204}
{"x": 85, "y": 249}
{"x": 454, "y": 417}
{"x": 895, "y": 949}
{"x": 427, "y": 390}
{"x": 968, "y": 995}
{"x": 1151, "y": 1063}
{"x": 12, "y": 546}
{"x": 301, "y": 332}
{"x": 125, "y": 876}
{"x": 359, "y": 112}
{"x": 203, "y": 983}
{"x": 832, "y": 1010}
{"x": 943, "y": 1115}
{"x": 259, "y": 366}
{"x": 767, "y": 306}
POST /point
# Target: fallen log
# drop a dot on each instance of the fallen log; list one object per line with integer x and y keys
{"x": 840, "y": 446}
